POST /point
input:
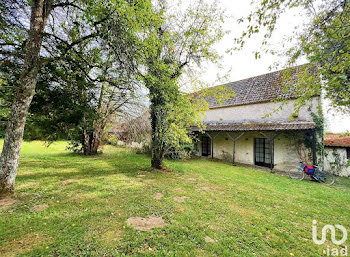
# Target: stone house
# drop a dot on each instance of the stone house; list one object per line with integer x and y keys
{"x": 239, "y": 131}
{"x": 337, "y": 154}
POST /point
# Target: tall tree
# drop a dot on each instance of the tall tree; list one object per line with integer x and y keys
{"x": 180, "y": 41}
{"x": 81, "y": 37}
{"x": 40, "y": 11}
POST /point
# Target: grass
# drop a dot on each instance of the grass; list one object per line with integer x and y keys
{"x": 89, "y": 199}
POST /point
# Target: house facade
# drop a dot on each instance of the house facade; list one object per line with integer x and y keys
{"x": 337, "y": 154}
{"x": 250, "y": 128}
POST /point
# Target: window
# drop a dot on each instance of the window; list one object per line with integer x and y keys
{"x": 348, "y": 153}
{"x": 206, "y": 146}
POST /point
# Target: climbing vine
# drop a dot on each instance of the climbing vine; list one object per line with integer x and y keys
{"x": 318, "y": 119}
{"x": 303, "y": 145}
{"x": 336, "y": 165}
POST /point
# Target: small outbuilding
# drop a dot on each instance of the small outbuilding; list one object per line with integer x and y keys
{"x": 337, "y": 154}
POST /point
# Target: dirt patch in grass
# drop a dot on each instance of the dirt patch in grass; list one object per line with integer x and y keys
{"x": 6, "y": 202}
{"x": 83, "y": 197}
{"x": 157, "y": 196}
{"x": 244, "y": 212}
{"x": 24, "y": 244}
{"x": 164, "y": 170}
{"x": 67, "y": 181}
{"x": 145, "y": 224}
{"x": 180, "y": 199}
{"x": 40, "y": 207}
{"x": 209, "y": 240}
{"x": 206, "y": 188}
{"x": 211, "y": 189}
{"x": 141, "y": 176}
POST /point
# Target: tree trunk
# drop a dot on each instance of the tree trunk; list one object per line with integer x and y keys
{"x": 85, "y": 142}
{"x": 158, "y": 115}
{"x": 157, "y": 159}
{"x": 97, "y": 139}
{"x": 24, "y": 95}
{"x": 91, "y": 140}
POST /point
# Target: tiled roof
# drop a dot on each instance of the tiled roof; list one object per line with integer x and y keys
{"x": 336, "y": 140}
{"x": 263, "y": 88}
{"x": 257, "y": 126}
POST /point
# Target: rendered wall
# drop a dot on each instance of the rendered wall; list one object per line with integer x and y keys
{"x": 285, "y": 154}
{"x": 336, "y": 155}
{"x": 259, "y": 110}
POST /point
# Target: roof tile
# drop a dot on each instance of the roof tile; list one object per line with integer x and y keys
{"x": 336, "y": 140}
{"x": 262, "y": 88}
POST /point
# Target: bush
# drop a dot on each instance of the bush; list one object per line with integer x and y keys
{"x": 185, "y": 151}
{"x": 112, "y": 141}
{"x": 145, "y": 149}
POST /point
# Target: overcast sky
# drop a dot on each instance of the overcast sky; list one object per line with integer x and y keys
{"x": 243, "y": 63}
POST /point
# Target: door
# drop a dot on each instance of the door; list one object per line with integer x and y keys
{"x": 262, "y": 152}
{"x": 206, "y": 146}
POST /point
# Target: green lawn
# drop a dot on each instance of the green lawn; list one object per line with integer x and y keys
{"x": 70, "y": 205}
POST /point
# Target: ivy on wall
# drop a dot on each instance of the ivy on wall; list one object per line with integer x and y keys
{"x": 336, "y": 165}
{"x": 318, "y": 119}
{"x": 339, "y": 163}
{"x": 303, "y": 144}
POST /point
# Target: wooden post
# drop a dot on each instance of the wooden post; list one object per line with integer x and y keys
{"x": 271, "y": 152}
{"x": 212, "y": 148}
{"x": 212, "y": 143}
{"x": 314, "y": 158}
{"x": 234, "y": 151}
{"x": 234, "y": 139}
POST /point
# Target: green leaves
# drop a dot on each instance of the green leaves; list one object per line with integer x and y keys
{"x": 324, "y": 42}
{"x": 170, "y": 51}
